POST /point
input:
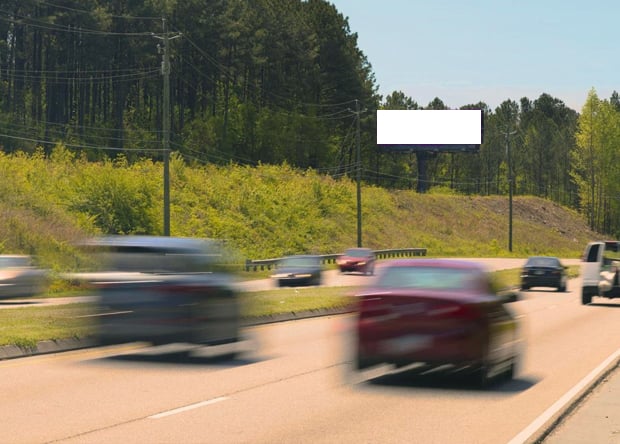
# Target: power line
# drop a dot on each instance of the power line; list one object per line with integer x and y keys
{"x": 81, "y": 146}
{"x": 52, "y": 78}
{"x": 85, "y": 11}
{"x": 40, "y": 24}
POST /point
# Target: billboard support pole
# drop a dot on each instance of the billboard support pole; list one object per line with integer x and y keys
{"x": 359, "y": 176}
{"x": 510, "y": 186}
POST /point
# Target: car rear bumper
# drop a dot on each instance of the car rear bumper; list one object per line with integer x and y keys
{"x": 293, "y": 282}
{"x": 536, "y": 281}
{"x": 454, "y": 348}
{"x": 352, "y": 268}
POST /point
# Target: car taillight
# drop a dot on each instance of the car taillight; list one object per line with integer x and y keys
{"x": 454, "y": 311}
{"x": 373, "y": 306}
{"x": 384, "y": 309}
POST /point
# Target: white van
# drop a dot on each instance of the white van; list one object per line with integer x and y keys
{"x": 600, "y": 266}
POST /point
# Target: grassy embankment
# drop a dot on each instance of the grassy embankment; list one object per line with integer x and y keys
{"x": 264, "y": 212}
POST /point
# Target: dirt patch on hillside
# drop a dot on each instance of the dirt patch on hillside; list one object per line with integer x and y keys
{"x": 480, "y": 224}
{"x": 545, "y": 213}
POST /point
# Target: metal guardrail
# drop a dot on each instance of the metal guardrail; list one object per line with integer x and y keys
{"x": 268, "y": 264}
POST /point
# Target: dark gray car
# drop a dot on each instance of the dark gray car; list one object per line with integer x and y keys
{"x": 544, "y": 271}
{"x": 163, "y": 290}
{"x": 298, "y": 270}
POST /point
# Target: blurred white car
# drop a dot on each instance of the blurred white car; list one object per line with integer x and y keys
{"x": 19, "y": 277}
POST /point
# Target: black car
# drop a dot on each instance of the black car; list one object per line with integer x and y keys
{"x": 544, "y": 271}
{"x": 298, "y": 270}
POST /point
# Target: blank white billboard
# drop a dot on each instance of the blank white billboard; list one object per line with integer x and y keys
{"x": 429, "y": 127}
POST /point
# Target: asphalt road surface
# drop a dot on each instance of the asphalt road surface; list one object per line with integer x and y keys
{"x": 296, "y": 386}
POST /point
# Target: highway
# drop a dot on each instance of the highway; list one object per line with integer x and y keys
{"x": 296, "y": 386}
{"x": 331, "y": 278}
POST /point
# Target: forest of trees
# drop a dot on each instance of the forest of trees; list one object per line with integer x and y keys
{"x": 271, "y": 81}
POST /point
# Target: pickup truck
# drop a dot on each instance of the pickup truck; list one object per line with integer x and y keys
{"x": 600, "y": 266}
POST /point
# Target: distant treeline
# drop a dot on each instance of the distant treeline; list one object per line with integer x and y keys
{"x": 271, "y": 82}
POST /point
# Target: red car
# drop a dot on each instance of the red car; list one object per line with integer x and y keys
{"x": 361, "y": 260}
{"x": 437, "y": 313}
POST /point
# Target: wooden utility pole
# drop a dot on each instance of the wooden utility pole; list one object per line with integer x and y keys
{"x": 166, "y": 128}
{"x": 165, "y": 70}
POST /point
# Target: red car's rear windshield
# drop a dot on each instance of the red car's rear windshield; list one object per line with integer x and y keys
{"x": 357, "y": 253}
{"x": 432, "y": 278}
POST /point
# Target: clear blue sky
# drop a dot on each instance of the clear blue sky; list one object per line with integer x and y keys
{"x": 465, "y": 51}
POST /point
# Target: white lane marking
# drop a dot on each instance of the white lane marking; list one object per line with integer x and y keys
{"x": 188, "y": 407}
{"x": 560, "y": 403}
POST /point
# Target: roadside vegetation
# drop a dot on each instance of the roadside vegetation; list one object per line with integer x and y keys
{"x": 25, "y": 327}
{"x": 50, "y": 203}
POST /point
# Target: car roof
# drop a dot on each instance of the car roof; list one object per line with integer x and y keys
{"x": 153, "y": 254}
{"x": 542, "y": 258}
{"x": 545, "y": 260}
{"x": 164, "y": 242}
{"x": 12, "y": 260}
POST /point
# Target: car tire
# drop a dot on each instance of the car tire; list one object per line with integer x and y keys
{"x": 525, "y": 287}
{"x": 511, "y": 371}
{"x": 230, "y": 356}
{"x": 361, "y": 363}
{"x": 586, "y": 297}
{"x": 481, "y": 378}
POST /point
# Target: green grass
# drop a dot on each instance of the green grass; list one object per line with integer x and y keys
{"x": 25, "y": 327}
{"x": 294, "y": 300}
{"x": 263, "y": 212}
